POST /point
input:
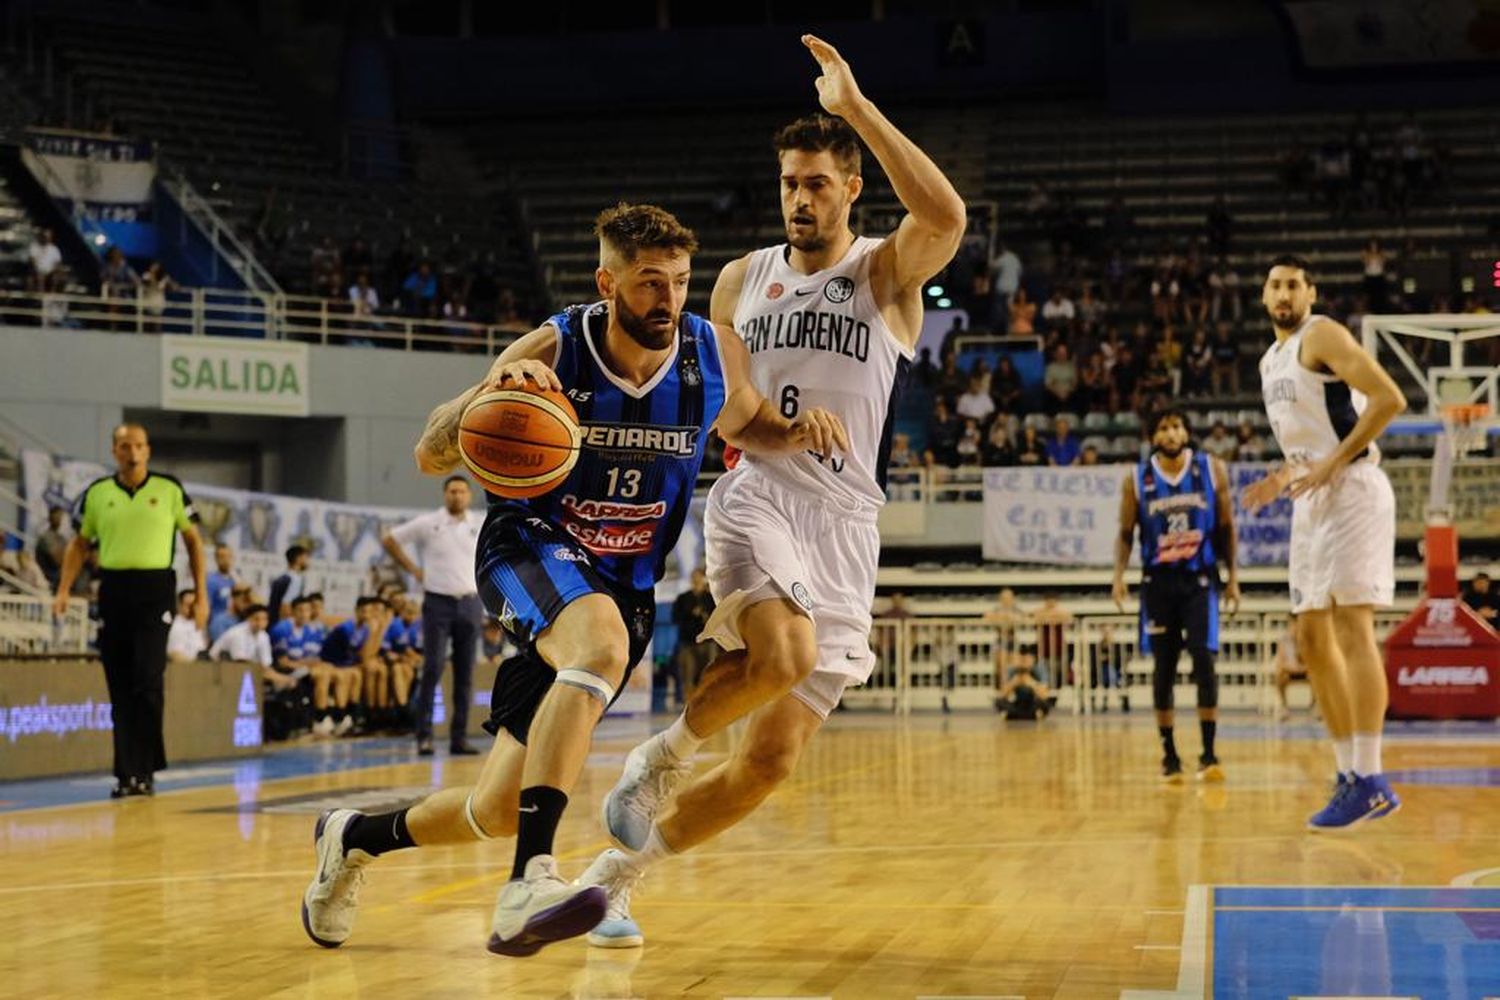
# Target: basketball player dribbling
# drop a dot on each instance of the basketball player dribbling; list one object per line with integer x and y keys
{"x": 1328, "y": 401}
{"x": 571, "y": 573}
{"x": 830, "y": 319}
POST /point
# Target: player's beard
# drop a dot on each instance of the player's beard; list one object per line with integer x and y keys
{"x": 1294, "y": 320}
{"x": 640, "y": 329}
{"x": 810, "y": 240}
{"x": 1170, "y": 451}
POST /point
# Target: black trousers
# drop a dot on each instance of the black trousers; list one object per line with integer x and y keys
{"x": 445, "y": 618}
{"x": 135, "y": 607}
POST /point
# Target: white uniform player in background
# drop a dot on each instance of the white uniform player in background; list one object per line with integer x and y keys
{"x": 830, "y": 320}
{"x": 1328, "y": 401}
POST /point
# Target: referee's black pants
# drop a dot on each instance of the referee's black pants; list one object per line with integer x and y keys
{"x": 135, "y": 608}
{"x": 443, "y": 618}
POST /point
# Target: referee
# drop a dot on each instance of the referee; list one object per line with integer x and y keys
{"x": 445, "y": 540}
{"x": 134, "y": 517}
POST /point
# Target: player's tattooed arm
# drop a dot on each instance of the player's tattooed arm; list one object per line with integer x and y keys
{"x": 748, "y": 421}
{"x": 528, "y": 358}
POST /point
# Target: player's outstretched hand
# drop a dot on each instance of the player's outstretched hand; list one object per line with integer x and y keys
{"x": 1117, "y": 591}
{"x": 820, "y": 431}
{"x": 513, "y": 374}
{"x": 837, "y": 91}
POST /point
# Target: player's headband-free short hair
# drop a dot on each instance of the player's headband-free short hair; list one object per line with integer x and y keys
{"x": 625, "y": 230}
{"x": 816, "y": 133}
{"x": 1166, "y": 414}
{"x": 1292, "y": 260}
{"x": 455, "y": 479}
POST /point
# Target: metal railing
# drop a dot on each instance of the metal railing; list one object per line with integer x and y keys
{"x": 218, "y": 232}
{"x": 931, "y": 663}
{"x": 27, "y": 627}
{"x": 234, "y": 313}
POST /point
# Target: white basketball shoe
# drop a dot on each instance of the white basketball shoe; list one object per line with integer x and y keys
{"x": 613, "y": 872}
{"x": 332, "y": 896}
{"x": 651, "y": 778}
{"x": 541, "y": 908}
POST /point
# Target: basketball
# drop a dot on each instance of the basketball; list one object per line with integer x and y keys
{"x": 519, "y": 442}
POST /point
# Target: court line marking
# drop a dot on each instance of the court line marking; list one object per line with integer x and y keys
{"x": 1368, "y": 909}
{"x": 1470, "y": 880}
{"x": 1192, "y": 968}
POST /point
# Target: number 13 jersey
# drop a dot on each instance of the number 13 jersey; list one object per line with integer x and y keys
{"x": 819, "y": 340}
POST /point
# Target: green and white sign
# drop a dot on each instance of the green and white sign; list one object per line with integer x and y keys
{"x": 229, "y": 375}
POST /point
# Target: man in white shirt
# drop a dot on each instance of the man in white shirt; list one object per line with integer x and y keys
{"x": 248, "y": 642}
{"x": 1058, "y": 310}
{"x": 45, "y": 260}
{"x": 444, "y": 542}
{"x": 185, "y": 640}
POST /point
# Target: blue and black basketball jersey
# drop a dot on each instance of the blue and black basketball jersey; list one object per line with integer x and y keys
{"x": 627, "y": 497}
{"x": 290, "y": 642}
{"x": 1178, "y": 520}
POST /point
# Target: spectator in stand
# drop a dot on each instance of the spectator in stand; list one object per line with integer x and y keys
{"x": 1062, "y": 447}
{"x": 117, "y": 278}
{"x": 1022, "y": 315}
{"x": 1198, "y": 365}
{"x": 1030, "y": 448}
{"x": 363, "y": 298}
{"x": 943, "y": 432}
{"x": 1092, "y": 394}
{"x": 1482, "y": 597}
{"x": 1166, "y": 290}
{"x": 1005, "y": 385}
{"x": 185, "y": 640}
{"x": 327, "y": 268}
{"x": 1163, "y": 371}
{"x": 155, "y": 284}
{"x": 1252, "y": 447}
{"x": 1125, "y": 378}
{"x": 1058, "y": 312}
{"x": 902, "y": 457}
{"x": 290, "y": 585}
{"x": 240, "y": 599}
{"x": 998, "y": 448}
{"x": 221, "y": 582}
{"x": 690, "y": 613}
{"x": 1005, "y": 281}
{"x": 1224, "y": 300}
{"x": 357, "y": 257}
{"x": 45, "y": 258}
{"x": 1374, "y": 262}
{"x": 1221, "y": 444}
{"x": 924, "y": 372}
{"x": 976, "y": 402}
{"x": 1089, "y": 455}
{"x": 1194, "y": 284}
{"x": 950, "y": 381}
{"x": 419, "y": 292}
{"x": 969, "y": 442}
{"x": 1060, "y": 379}
{"x": 1092, "y": 311}
{"x": 1226, "y": 367}
{"x": 1218, "y": 226}
{"x": 51, "y": 544}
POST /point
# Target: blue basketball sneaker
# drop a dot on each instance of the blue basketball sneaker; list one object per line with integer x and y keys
{"x": 1356, "y": 800}
{"x": 613, "y": 872}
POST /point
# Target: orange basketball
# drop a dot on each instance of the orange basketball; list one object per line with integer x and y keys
{"x": 519, "y": 442}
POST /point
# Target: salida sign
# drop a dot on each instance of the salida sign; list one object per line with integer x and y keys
{"x": 1443, "y": 662}
{"x": 228, "y": 375}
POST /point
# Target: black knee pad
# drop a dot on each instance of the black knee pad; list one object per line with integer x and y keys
{"x": 1166, "y": 649}
{"x": 1206, "y": 679}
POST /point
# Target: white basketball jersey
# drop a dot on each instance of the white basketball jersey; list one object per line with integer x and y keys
{"x": 818, "y": 340}
{"x": 1310, "y": 412}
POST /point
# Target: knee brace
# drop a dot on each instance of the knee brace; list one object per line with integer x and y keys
{"x": 1166, "y": 649}
{"x": 1206, "y": 679}
{"x": 588, "y": 681}
{"x": 473, "y": 821}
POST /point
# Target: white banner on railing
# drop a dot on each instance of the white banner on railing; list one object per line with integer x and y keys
{"x": 96, "y": 170}
{"x": 1053, "y": 515}
{"x": 231, "y": 375}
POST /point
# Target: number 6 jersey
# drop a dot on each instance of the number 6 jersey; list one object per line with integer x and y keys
{"x": 819, "y": 340}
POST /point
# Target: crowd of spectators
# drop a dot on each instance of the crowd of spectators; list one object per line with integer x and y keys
{"x": 1368, "y": 170}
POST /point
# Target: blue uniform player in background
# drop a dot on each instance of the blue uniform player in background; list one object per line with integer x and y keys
{"x": 571, "y": 574}
{"x": 1179, "y": 499}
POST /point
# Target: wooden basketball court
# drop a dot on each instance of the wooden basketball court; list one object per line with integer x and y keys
{"x": 925, "y": 856}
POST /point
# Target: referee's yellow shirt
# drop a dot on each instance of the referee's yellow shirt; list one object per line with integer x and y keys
{"x": 135, "y": 529}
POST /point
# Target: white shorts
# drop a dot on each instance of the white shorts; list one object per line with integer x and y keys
{"x": 764, "y": 541}
{"x": 1343, "y": 548}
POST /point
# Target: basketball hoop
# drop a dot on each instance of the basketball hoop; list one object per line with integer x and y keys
{"x": 1464, "y": 426}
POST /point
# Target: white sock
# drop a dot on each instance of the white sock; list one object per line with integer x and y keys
{"x": 1343, "y": 752}
{"x": 1367, "y": 754}
{"x": 655, "y": 850}
{"x": 680, "y": 740}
